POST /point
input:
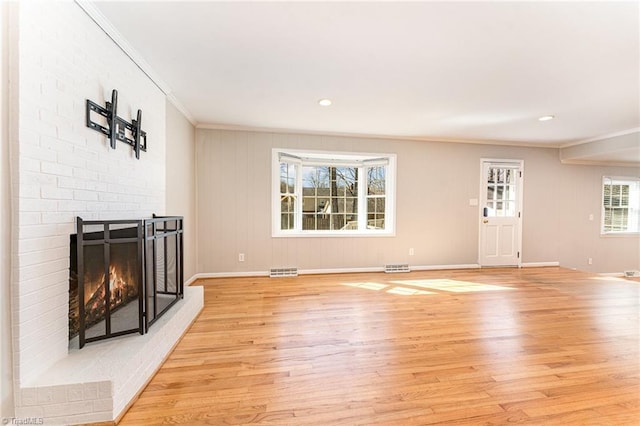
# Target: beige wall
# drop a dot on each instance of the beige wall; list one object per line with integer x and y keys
{"x": 434, "y": 184}
{"x": 581, "y": 196}
{"x": 180, "y": 181}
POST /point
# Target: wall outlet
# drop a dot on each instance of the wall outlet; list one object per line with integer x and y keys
{"x": 241, "y": 257}
{"x": 590, "y": 261}
{"x": 411, "y": 252}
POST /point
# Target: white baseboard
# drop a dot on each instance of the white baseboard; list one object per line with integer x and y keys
{"x": 340, "y": 270}
{"x": 539, "y": 264}
{"x": 612, "y": 274}
{"x": 206, "y": 275}
{"x": 444, "y": 267}
{"x": 191, "y": 280}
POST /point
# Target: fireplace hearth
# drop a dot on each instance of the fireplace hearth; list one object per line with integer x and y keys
{"x": 123, "y": 275}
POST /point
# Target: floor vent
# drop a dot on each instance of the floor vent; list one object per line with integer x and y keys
{"x": 389, "y": 269}
{"x": 632, "y": 274}
{"x": 283, "y": 272}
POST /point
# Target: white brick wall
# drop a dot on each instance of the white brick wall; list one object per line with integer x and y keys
{"x": 66, "y": 169}
{"x": 63, "y": 170}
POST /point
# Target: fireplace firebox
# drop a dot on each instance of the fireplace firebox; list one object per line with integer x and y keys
{"x": 123, "y": 275}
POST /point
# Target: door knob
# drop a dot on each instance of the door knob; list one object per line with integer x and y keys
{"x": 485, "y": 220}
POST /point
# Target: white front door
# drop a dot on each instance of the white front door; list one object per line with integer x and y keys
{"x": 500, "y": 213}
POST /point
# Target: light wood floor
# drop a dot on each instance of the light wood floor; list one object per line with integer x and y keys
{"x": 539, "y": 346}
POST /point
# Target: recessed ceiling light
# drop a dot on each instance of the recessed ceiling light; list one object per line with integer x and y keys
{"x": 324, "y": 102}
{"x": 546, "y": 117}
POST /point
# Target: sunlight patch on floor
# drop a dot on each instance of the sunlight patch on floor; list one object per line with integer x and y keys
{"x": 367, "y": 285}
{"x": 408, "y": 287}
{"x": 404, "y": 291}
{"x": 454, "y": 286}
{"x": 610, "y": 278}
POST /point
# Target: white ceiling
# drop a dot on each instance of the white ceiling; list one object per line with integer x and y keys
{"x": 478, "y": 71}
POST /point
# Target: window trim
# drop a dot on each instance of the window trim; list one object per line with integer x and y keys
{"x": 338, "y": 158}
{"x": 611, "y": 179}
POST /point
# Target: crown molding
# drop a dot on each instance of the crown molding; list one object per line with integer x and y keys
{"x": 601, "y": 163}
{"x": 242, "y": 128}
{"x": 603, "y": 137}
{"x": 101, "y": 21}
{"x": 180, "y": 107}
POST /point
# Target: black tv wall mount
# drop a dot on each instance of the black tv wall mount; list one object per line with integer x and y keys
{"x": 116, "y": 129}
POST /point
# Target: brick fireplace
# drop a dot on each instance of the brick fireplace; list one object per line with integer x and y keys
{"x": 59, "y": 57}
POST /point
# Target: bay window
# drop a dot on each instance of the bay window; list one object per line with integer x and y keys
{"x": 332, "y": 194}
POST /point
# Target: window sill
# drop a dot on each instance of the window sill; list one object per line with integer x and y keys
{"x": 620, "y": 234}
{"x": 343, "y": 234}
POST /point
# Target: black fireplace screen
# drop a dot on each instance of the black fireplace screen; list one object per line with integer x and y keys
{"x": 124, "y": 274}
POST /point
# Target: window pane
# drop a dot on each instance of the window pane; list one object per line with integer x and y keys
{"x": 375, "y": 221}
{"x": 308, "y": 204}
{"x": 308, "y": 221}
{"x": 509, "y": 176}
{"x": 287, "y": 178}
{"x": 286, "y": 221}
{"x": 376, "y": 190}
{"x": 314, "y": 184}
{"x": 619, "y": 219}
{"x": 351, "y": 205}
{"x": 607, "y": 219}
{"x": 323, "y": 204}
{"x": 375, "y": 210}
{"x": 607, "y": 195}
{"x": 323, "y": 222}
{"x": 615, "y": 195}
{"x": 624, "y": 195}
{"x": 376, "y": 181}
{"x": 510, "y": 193}
{"x": 287, "y": 204}
{"x": 491, "y": 192}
